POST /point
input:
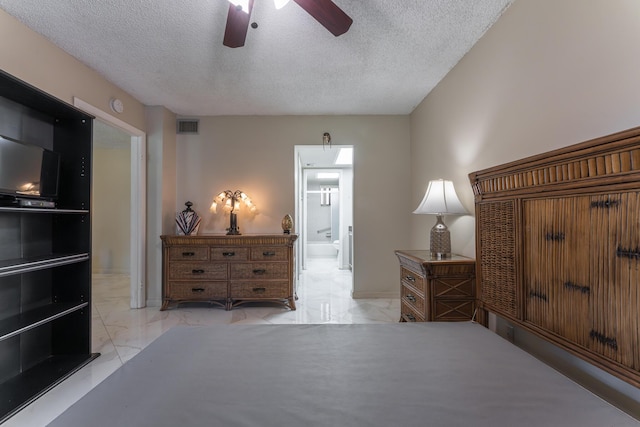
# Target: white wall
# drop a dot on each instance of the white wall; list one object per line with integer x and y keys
{"x": 548, "y": 74}
{"x": 256, "y": 155}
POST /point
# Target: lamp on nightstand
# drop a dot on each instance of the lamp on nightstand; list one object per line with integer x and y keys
{"x": 440, "y": 199}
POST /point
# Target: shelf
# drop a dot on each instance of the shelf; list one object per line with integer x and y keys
{"x": 19, "y": 391}
{"x": 18, "y": 266}
{"x": 15, "y": 325}
{"x": 43, "y": 210}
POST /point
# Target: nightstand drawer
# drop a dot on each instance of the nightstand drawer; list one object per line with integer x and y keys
{"x": 452, "y": 287}
{"x": 408, "y": 314}
{"x": 258, "y": 290}
{"x": 197, "y": 271}
{"x": 412, "y": 298}
{"x": 198, "y": 290}
{"x": 269, "y": 253}
{"x": 229, "y": 254}
{"x": 188, "y": 253}
{"x": 260, "y": 271}
{"x": 453, "y": 309}
{"x": 412, "y": 279}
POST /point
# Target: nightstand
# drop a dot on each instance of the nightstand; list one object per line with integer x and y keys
{"x": 436, "y": 289}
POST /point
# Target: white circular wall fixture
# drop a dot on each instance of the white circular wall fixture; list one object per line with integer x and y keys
{"x": 116, "y": 105}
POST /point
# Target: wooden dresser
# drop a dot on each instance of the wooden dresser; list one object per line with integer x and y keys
{"x": 228, "y": 270}
{"x": 436, "y": 290}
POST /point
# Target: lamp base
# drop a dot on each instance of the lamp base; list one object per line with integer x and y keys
{"x": 440, "y": 240}
{"x": 233, "y": 229}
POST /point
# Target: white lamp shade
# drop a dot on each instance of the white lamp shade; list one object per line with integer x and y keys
{"x": 441, "y": 199}
{"x": 280, "y": 3}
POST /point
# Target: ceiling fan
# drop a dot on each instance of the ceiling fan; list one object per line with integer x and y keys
{"x": 325, "y": 12}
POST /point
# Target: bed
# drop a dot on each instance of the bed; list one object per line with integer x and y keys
{"x": 426, "y": 374}
{"x": 558, "y": 238}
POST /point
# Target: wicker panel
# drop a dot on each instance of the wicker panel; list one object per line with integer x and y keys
{"x": 496, "y": 234}
{"x": 229, "y": 254}
{"x": 198, "y": 290}
{"x": 412, "y": 298}
{"x": 259, "y": 290}
{"x": 269, "y": 253}
{"x": 453, "y": 287}
{"x": 409, "y": 314}
{"x": 453, "y": 309}
{"x": 556, "y": 246}
{"x": 413, "y": 279}
{"x": 260, "y": 271}
{"x": 615, "y": 261}
{"x": 188, "y": 253}
{"x": 197, "y": 271}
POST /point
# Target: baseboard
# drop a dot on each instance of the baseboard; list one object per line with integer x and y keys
{"x": 375, "y": 295}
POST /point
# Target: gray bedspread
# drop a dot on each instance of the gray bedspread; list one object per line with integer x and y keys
{"x": 427, "y": 374}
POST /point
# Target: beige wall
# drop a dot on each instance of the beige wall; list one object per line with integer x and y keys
{"x": 111, "y": 207}
{"x": 548, "y": 74}
{"x": 256, "y": 155}
{"x": 161, "y": 193}
{"x": 30, "y": 57}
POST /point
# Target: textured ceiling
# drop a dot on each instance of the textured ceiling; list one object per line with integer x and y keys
{"x": 170, "y": 53}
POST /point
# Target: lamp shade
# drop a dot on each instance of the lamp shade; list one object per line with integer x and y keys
{"x": 441, "y": 199}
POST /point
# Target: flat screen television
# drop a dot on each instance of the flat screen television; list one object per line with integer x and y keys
{"x": 28, "y": 173}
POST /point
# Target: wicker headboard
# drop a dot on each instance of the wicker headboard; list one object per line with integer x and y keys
{"x": 558, "y": 248}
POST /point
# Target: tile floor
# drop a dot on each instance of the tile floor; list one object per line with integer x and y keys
{"x": 119, "y": 333}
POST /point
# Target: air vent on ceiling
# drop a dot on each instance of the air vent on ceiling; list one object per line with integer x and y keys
{"x": 189, "y": 126}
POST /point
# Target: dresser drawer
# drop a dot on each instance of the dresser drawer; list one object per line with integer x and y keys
{"x": 240, "y": 290}
{"x": 412, "y": 298}
{"x": 413, "y": 279}
{"x": 188, "y": 253}
{"x": 269, "y": 253}
{"x": 197, "y": 271}
{"x": 197, "y": 290}
{"x": 408, "y": 314}
{"x": 260, "y": 271}
{"x": 229, "y": 254}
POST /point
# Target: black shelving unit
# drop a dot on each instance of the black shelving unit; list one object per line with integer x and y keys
{"x": 45, "y": 254}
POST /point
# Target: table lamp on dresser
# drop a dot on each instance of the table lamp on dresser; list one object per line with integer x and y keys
{"x": 440, "y": 199}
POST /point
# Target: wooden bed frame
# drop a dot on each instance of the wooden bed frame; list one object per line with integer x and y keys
{"x": 558, "y": 248}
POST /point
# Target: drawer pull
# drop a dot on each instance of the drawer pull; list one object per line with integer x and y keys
{"x": 259, "y": 290}
{"x": 410, "y": 278}
{"x": 268, "y": 254}
{"x": 228, "y": 254}
{"x": 197, "y": 271}
{"x": 197, "y": 290}
{"x": 188, "y": 254}
{"x": 259, "y": 271}
{"x": 411, "y": 298}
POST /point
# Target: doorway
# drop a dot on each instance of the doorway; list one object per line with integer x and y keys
{"x": 324, "y": 209}
{"x": 113, "y": 129}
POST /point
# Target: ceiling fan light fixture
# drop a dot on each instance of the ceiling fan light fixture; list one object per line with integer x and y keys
{"x": 242, "y": 4}
{"x": 280, "y": 3}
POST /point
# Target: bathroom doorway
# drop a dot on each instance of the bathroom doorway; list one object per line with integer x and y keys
{"x": 324, "y": 210}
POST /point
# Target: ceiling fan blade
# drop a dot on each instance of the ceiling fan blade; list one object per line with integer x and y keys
{"x": 237, "y": 25}
{"x": 328, "y": 14}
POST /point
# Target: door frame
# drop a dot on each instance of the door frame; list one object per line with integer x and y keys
{"x": 138, "y": 200}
